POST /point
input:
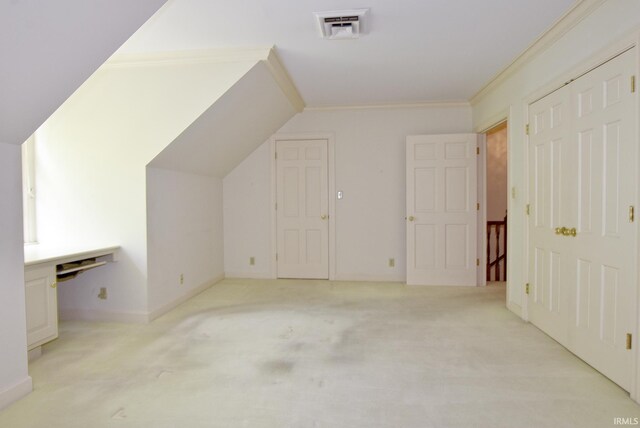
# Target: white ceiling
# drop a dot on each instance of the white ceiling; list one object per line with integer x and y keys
{"x": 415, "y": 50}
{"x": 49, "y": 48}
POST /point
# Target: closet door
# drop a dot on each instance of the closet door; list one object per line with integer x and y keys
{"x": 583, "y": 163}
{"x": 604, "y": 283}
{"x": 552, "y": 200}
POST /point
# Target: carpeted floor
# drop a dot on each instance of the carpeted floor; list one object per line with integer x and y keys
{"x": 287, "y": 353}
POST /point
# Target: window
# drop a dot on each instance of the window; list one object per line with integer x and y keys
{"x": 29, "y": 190}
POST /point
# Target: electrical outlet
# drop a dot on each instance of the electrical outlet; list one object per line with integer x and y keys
{"x": 103, "y": 293}
{"x": 252, "y": 261}
{"x": 181, "y": 278}
{"x": 392, "y": 262}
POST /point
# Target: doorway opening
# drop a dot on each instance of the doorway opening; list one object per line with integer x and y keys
{"x": 496, "y": 197}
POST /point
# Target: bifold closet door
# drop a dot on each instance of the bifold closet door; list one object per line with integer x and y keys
{"x": 583, "y": 242}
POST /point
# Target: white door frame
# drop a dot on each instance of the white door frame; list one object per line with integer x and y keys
{"x": 613, "y": 50}
{"x": 331, "y": 171}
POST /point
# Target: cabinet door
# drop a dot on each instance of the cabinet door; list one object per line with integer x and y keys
{"x": 41, "y": 305}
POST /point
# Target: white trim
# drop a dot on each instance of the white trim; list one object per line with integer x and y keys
{"x": 482, "y": 215}
{"x": 635, "y": 389}
{"x": 211, "y": 56}
{"x": 100, "y": 315}
{"x": 331, "y": 171}
{"x": 200, "y": 56}
{"x": 283, "y": 79}
{"x": 575, "y": 15}
{"x": 15, "y": 392}
{"x": 422, "y": 104}
{"x": 156, "y": 313}
{"x": 370, "y": 278}
{"x": 248, "y": 275}
{"x": 516, "y": 309}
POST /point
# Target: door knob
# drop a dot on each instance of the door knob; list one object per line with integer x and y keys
{"x": 570, "y": 232}
{"x": 411, "y": 218}
{"x": 323, "y": 217}
{"x": 561, "y": 230}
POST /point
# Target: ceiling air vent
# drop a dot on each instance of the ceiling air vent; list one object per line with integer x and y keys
{"x": 341, "y": 24}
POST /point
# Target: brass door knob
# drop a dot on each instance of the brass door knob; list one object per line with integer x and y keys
{"x": 323, "y": 217}
{"x": 570, "y": 232}
{"x": 54, "y": 284}
{"x": 561, "y": 230}
{"x": 411, "y": 218}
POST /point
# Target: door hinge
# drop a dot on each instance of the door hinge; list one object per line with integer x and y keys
{"x": 629, "y": 337}
{"x": 477, "y": 262}
{"x": 276, "y": 256}
{"x": 477, "y": 150}
{"x": 276, "y": 155}
{"x": 276, "y": 206}
{"x": 526, "y": 288}
{"x": 526, "y": 129}
{"x": 478, "y": 206}
{"x": 633, "y": 84}
{"x": 528, "y": 209}
{"x": 632, "y": 213}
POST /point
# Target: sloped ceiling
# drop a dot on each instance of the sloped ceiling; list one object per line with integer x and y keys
{"x": 235, "y": 125}
{"x": 49, "y": 48}
{"x": 412, "y": 50}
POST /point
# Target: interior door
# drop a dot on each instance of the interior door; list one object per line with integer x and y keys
{"x": 551, "y": 201}
{"x": 604, "y": 280}
{"x": 583, "y": 244}
{"x": 302, "y": 209}
{"x": 441, "y": 209}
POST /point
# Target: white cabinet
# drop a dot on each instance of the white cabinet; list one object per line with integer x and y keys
{"x": 41, "y": 304}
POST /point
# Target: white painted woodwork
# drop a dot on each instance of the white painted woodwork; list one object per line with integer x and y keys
{"x": 583, "y": 161}
{"x": 41, "y": 304}
{"x": 441, "y": 209}
{"x": 548, "y": 145}
{"x": 302, "y": 209}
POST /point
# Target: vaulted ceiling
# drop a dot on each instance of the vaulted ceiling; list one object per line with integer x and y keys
{"x": 413, "y": 50}
{"x": 49, "y": 48}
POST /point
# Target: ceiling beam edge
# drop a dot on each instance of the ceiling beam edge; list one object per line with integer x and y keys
{"x": 283, "y": 79}
{"x": 569, "y": 20}
{"x": 205, "y": 56}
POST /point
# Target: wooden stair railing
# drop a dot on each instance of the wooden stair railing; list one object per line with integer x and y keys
{"x": 497, "y": 266}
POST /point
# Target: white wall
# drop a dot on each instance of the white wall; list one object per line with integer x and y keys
{"x": 610, "y": 22}
{"x": 370, "y": 170}
{"x": 14, "y": 379}
{"x": 90, "y": 173}
{"x": 184, "y": 235}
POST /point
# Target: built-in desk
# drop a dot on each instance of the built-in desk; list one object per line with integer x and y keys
{"x": 44, "y": 266}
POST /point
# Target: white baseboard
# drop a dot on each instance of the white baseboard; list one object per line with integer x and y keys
{"x": 369, "y": 278}
{"x": 516, "y": 309}
{"x": 99, "y": 315}
{"x": 155, "y": 313}
{"x": 15, "y": 392}
{"x": 248, "y": 275}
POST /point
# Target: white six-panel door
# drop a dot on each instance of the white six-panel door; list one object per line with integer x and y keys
{"x": 583, "y": 163}
{"x": 302, "y": 209}
{"x": 441, "y": 209}
{"x": 550, "y": 165}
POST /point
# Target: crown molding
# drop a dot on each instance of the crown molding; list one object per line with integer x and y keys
{"x": 578, "y": 12}
{"x": 423, "y": 104}
{"x": 203, "y": 56}
{"x": 283, "y": 79}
